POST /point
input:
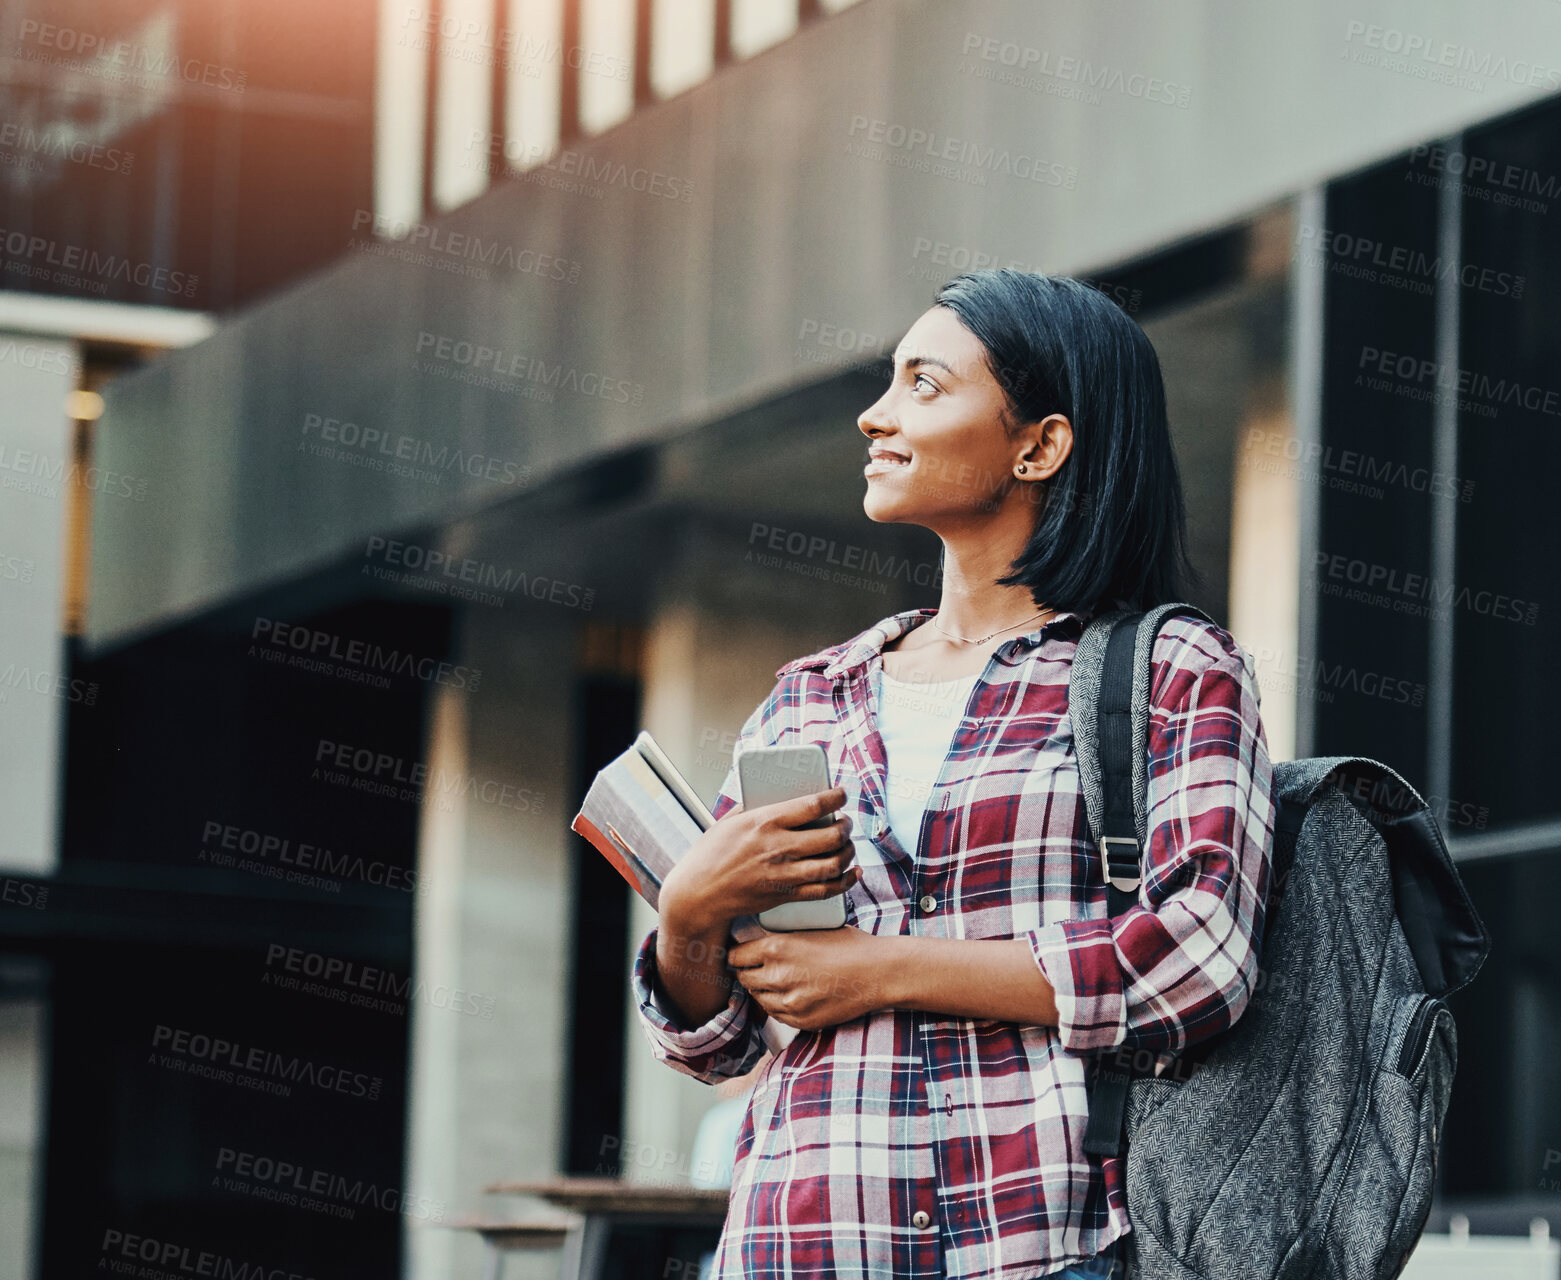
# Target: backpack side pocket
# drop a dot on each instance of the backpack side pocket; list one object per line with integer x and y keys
{"x": 1416, "y": 1082}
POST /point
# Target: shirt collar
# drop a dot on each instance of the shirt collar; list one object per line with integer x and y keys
{"x": 850, "y": 657}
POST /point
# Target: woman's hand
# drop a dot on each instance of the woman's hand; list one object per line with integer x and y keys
{"x": 752, "y": 860}
{"x": 746, "y": 863}
{"x": 814, "y": 977}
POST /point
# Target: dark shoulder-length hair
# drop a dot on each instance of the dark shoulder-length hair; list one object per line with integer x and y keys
{"x": 1112, "y": 523}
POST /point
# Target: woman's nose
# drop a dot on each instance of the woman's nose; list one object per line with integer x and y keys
{"x": 874, "y": 419}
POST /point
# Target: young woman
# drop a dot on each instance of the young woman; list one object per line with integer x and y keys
{"x": 928, "y": 1120}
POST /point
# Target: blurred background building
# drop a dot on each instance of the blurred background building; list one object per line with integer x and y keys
{"x": 403, "y": 403}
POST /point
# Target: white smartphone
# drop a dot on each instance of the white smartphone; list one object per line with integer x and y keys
{"x": 768, "y": 775}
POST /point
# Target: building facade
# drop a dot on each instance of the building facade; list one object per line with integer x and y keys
{"x": 515, "y": 411}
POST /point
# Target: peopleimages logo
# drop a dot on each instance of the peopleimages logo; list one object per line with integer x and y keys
{"x": 1417, "y": 594}
{"x": 30, "y": 355}
{"x": 1349, "y": 470}
{"x": 496, "y": 363}
{"x": 1498, "y": 182}
{"x": 197, "y": 1053}
{"x": 929, "y": 145}
{"x": 123, "y": 1250}
{"x": 408, "y": 562}
{"x": 364, "y": 986}
{"x": 929, "y": 253}
{"x": 483, "y": 36}
{"x": 1079, "y": 71}
{"x": 393, "y": 772}
{"x": 57, "y": 144}
{"x": 38, "y": 257}
{"x": 1398, "y": 265}
{"x": 1388, "y": 797}
{"x": 93, "y": 54}
{"x": 22, "y": 893}
{"x": 31, "y": 472}
{"x": 1552, "y": 1158}
{"x": 47, "y": 683}
{"x": 1321, "y": 679}
{"x": 536, "y": 159}
{"x": 226, "y": 844}
{"x": 410, "y": 450}
{"x": 1458, "y": 57}
{"x": 800, "y": 547}
{"x": 334, "y": 1194}
{"x": 1479, "y": 390}
{"x": 468, "y": 246}
{"x": 317, "y": 644}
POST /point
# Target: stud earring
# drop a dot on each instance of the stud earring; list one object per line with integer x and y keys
{"x": 1021, "y": 469}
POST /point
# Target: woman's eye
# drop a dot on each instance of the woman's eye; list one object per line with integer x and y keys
{"x": 923, "y": 378}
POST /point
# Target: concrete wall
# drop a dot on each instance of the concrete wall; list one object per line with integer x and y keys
{"x": 810, "y": 193}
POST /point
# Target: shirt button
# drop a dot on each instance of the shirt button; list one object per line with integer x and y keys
{"x": 929, "y": 903}
{"x": 921, "y": 1220}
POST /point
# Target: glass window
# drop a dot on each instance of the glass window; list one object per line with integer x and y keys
{"x": 683, "y": 45}
{"x": 604, "y": 62}
{"x": 1507, "y": 614}
{"x": 467, "y": 50}
{"x": 400, "y": 96}
{"x": 536, "y": 72}
{"x": 757, "y": 24}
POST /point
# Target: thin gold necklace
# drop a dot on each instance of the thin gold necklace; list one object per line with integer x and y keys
{"x": 998, "y": 632}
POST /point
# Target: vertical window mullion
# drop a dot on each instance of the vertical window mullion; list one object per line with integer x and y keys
{"x": 569, "y": 75}
{"x": 1444, "y": 515}
{"x": 431, "y": 107}
{"x": 644, "y": 34}
{"x": 723, "y": 32}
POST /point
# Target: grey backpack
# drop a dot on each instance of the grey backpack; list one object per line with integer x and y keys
{"x": 1302, "y": 1141}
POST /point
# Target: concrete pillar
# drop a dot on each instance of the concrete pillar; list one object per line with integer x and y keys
{"x": 21, "y": 1096}
{"x": 703, "y": 674}
{"x": 493, "y": 920}
{"x": 36, "y": 374}
{"x": 1265, "y": 558}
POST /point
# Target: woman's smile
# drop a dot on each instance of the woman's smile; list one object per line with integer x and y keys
{"x": 881, "y": 460}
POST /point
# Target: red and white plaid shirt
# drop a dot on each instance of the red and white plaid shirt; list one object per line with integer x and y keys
{"x": 856, "y": 1129}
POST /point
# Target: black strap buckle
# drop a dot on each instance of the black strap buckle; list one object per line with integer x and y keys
{"x": 1120, "y": 867}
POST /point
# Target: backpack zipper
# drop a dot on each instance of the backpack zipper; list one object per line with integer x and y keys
{"x": 1417, "y": 1040}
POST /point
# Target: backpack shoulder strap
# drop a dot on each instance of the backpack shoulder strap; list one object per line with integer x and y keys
{"x": 1108, "y": 703}
{"x": 1100, "y": 704}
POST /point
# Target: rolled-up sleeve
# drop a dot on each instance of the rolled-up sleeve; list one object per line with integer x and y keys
{"x": 731, "y": 1042}
{"x": 1180, "y": 965}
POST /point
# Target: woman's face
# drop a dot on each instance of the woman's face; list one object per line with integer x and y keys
{"x": 937, "y": 450}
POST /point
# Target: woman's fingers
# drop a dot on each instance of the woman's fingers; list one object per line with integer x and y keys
{"x": 814, "y": 890}
{"x": 815, "y": 877}
{"x": 817, "y": 841}
{"x": 809, "y": 808}
{"x": 829, "y": 865}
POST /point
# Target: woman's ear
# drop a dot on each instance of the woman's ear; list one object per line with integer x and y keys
{"x": 1046, "y": 447}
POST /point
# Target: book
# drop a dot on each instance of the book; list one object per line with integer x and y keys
{"x": 642, "y": 816}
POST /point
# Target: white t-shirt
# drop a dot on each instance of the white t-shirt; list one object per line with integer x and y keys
{"x": 917, "y": 720}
